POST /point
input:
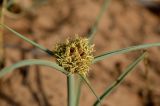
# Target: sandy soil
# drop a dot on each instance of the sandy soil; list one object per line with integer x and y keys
{"x": 125, "y": 23}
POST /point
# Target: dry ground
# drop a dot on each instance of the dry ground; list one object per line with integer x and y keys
{"x": 125, "y": 23}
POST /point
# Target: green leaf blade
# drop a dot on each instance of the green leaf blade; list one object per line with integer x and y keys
{"x": 124, "y": 50}
{"x": 120, "y": 79}
{"x": 90, "y": 87}
{"x": 9, "y": 69}
{"x": 98, "y": 18}
{"x": 28, "y": 40}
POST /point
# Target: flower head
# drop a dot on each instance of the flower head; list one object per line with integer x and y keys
{"x": 75, "y": 55}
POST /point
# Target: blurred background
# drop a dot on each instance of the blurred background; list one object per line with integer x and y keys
{"x": 125, "y": 23}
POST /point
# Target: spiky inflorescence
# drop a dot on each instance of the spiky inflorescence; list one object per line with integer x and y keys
{"x": 75, "y": 55}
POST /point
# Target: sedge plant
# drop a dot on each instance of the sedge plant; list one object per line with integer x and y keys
{"x": 74, "y": 58}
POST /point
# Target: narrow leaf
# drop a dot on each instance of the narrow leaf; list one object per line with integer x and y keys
{"x": 28, "y": 40}
{"x": 94, "y": 28}
{"x": 119, "y": 80}
{"x": 124, "y": 50}
{"x": 91, "y": 88}
{"x": 23, "y": 63}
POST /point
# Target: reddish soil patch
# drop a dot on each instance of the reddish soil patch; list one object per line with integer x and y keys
{"x": 125, "y": 23}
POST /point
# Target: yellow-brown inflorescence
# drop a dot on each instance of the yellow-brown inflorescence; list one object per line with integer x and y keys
{"x": 75, "y": 55}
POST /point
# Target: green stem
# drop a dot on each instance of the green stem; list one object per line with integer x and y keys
{"x": 71, "y": 90}
{"x": 78, "y": 90}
